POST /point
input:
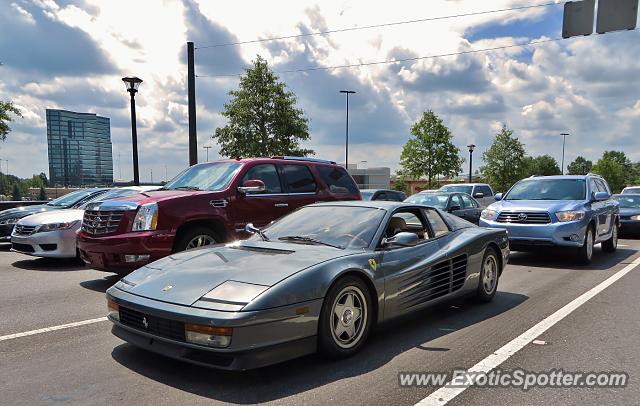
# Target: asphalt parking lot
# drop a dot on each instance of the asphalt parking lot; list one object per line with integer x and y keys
{"x": 86, "y": 365}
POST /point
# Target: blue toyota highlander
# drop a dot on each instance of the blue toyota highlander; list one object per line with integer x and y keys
{"x": 576, "y": 212}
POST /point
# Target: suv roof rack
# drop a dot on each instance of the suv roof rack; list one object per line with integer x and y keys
{"x": 593, "y": 174}
{"x": 303, "y": 158}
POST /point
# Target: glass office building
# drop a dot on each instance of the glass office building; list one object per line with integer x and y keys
{"x": 79, "y": 149}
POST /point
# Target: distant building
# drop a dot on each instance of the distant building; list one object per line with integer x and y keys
{"x": 371, "y": 178}
{"x": 79, "y": 149}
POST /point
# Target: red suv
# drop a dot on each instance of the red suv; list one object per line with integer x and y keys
{"x": 207, "y": 203}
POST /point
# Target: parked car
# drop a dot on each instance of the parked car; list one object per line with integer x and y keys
{"x": 482, "y": 192}
{"x": 382, "y": 194}
{"x": 320, "y": 278}
{"x": 52, "y": 234}
{"x": 631, "y": 189}
{"x": 9, "y": 217}
{"x": 629, "y": 212}
{"x": 206, "y": 204}
{"x": 458, "y": 204}
{"x": 566, "y": 211}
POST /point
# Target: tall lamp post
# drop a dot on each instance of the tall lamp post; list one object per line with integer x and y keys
{"x": 346, "y": 148}
{"x": 132, "y": 84}
{"x": 471, "y": 148}
{"x": 208, "y": 147}
{"x": 564, "y": 137}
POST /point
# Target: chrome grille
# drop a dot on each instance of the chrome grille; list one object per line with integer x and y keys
{"x": 524, "y": 217}
{"x": 20, "y": 229}
{"x": 101, "y": 222}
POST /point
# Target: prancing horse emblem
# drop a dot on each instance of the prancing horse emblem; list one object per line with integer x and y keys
{"x": 145, "y": 323}
{"x": 522, "y": 216}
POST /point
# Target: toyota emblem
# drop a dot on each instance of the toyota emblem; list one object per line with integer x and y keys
{"x": 522, "y": 216}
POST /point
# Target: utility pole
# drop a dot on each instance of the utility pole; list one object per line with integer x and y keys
{"x": 564, "y": 137}
{"x": 151, "y": 175}
{"x": 346, "y": 148}
{"x": 471, "y": 148}
{"x": 207, "y": 147}
{"x": 191, "y": 87}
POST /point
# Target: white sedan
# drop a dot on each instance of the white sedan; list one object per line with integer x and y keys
{"x": 52, "y": 234}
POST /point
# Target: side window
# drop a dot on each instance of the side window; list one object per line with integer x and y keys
{"x": 381, "y": 196}
{"x": 602, "y": 186}
{"x": 337, "y": 179}
{"x": 485, "y": 190}
{"x": 299, "y": 179}
{"x": 437, "y": 223}
{"x": 468, "y": 203}
{"x": 455, "y": 201}
{"x": 268, "y": 174}
{"x": 593, "y": 186}
{"x": 406, "y": 221}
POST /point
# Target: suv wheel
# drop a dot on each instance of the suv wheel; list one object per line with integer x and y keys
{"x": 585, "y": 253}
{"x": 196, "y": 237}
{"x": 612, "y": 243}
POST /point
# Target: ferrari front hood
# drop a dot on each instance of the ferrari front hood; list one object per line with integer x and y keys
{"x": 185, "y": 277}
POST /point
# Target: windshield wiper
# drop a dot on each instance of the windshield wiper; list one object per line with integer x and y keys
{"x": 308, "y": 240}
{"x": 187, "y": 188}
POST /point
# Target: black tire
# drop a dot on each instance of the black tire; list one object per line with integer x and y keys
{"x": 611, "y": 245}
{"x": 584, "y": 254}
{"x": 332, "y": 345}
{"x": 489, "y": 276}
{"x": 186, "y": 238}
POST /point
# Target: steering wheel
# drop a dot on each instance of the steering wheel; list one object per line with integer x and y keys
{"x": 355, "y": 237}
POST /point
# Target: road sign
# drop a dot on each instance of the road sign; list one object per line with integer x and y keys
{"x": 578, "y": 18}
{"x": 616, "y": 15}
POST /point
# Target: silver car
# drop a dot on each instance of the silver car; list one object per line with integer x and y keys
{"x": 52, "y": 234}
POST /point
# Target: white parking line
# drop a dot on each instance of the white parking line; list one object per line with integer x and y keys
{"x": 53, "y": 328}
{"x": 445, "y": 394}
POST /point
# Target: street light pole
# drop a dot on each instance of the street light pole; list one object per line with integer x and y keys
{"x": 471, "y": 148}
{"x": 346, "y": 148}
{"x": 564, "y": 137}
{"x": 132, "y": 87}
{"x": 207, "y": 148}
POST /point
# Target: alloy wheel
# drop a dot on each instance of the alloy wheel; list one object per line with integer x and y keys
{"x": 349, "y": 317}
{"x": 200, "y": 241}
{"x": 490, "y": 274}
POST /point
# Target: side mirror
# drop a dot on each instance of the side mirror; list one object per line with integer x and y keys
{"x": 401, "y": 239}
{"x": 499, "y": 196}
{"x": 454, "y": 208}
{"x": 478, "y": 195}
{"x": 600, "y": 196}
{"x": 252, "y": 186}
{"x": 249, "y": 228}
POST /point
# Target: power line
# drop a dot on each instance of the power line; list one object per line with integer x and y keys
{"x": 366, "y": 27}
{"x": 417, "y": 58}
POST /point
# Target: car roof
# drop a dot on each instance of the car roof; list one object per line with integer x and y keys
{"x": 467, "y": 184}
{"x": 379, "y": 190}
{"x": 564, "y": 176}
{"x": 279, "y": 159}
{"x": 373, "y": 204}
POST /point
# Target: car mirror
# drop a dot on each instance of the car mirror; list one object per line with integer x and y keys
{"x": 600, "y": 196}
{"x": 249, "y": 228}
{"x": 252, "y": 186}
{"x": 454, "y": 208}
{"x": 402, "y": 239}
{"x": 499, "y": 196}
{"x": 478, "y": 195}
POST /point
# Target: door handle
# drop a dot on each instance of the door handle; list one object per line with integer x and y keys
{"x": 281, "y": 205}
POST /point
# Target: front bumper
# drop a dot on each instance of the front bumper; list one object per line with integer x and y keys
{"x": 629, "y": 226}
{"x": 5, "y": 232}
{"x": 259, "y": 338}
{"x": 550, "y": 234}
{"x": 51, "y": 244}
{"x": 108, "y": 253}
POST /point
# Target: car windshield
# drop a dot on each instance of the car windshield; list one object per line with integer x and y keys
{"x": 211, "y": 177}
{"x": 548, "y": 189}
{"x": 632, "y": 190}
{"x": 430, "y": 199}
{"x": 629, "y": 201}
{"x": 457, "y": 188}
{"x": 337, "y": 226}
{"x": 366, "y": 195}
{"x": 70, "y": 199}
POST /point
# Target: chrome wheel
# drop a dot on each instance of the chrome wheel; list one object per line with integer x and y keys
{"x": 589, "y": 243}
{"x": 200, "y": 241}
{"x": 349, "y": 317}
{"x": 489, "y": 274}
{"x": 615, "y": 236}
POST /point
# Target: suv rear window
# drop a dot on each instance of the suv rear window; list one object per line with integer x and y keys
{"x": 299, "y": 179}
{"x": 337, "y": 179}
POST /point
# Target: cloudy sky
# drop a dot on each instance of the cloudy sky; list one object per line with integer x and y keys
{"x": 72, "y": 54}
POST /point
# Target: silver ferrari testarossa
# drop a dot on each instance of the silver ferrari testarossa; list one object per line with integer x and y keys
{"x": 319, "y": 278}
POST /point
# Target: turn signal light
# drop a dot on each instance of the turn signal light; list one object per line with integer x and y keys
{"x": 113, "y": 309}
{"x": 211, "y": 336}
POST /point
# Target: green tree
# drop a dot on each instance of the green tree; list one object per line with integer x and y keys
{"x": 579, "y": 166}
{"x": 430, "y": 152}
{"x": 543, "y": 165}
{"x": 42, "y": 195}
{"x": 263, "y": 119}
{"x": 504, "y": 161}
{"x": 17, "y": 192}
{"x": 399, "y": 183}
{"x": 6, "y": 109}
{"x": 612, "y": 171}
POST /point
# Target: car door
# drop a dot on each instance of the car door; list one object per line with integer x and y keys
{"x": 410, "y": 280}
{"x": 260, "y": 208}
{"x": 300, "y": 185}
{"x": 471, "y": 209}
{"x": 455, "y": 206}
{"x": 599, "y": 208}
{"x": 609, "y": 207}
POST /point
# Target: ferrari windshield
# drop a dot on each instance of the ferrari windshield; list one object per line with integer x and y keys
{"x": 629, "y": 201}
{"x": 548, "y": 189}
{"x": 438, "y": 200}
{"x": 336, "y": 226}
{"x": 211, "y": 177}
